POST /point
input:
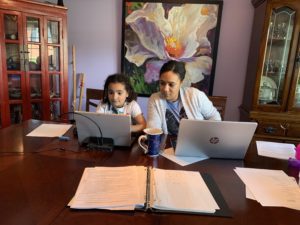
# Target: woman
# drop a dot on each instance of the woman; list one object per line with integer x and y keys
{"x": 173, "y": 102}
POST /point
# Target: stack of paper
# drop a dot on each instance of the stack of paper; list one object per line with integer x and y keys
{"x": 270, "y": 187}
{"x": 182, "y": 191}
{"x": 113, "y": 188}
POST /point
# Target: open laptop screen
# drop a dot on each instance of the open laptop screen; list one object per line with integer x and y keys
{"x": 214, "y": 139}
{"x": 112, "y": 126}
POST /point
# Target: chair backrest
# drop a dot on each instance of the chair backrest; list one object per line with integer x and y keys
{"x": 92, "y": 94}
{"x": 96, "y": 94}
{"x": 220, "y": 103}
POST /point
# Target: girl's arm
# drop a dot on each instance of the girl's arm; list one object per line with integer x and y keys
{"x": 140, "y": 123}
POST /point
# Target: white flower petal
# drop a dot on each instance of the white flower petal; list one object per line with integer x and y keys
{"x": 135, "y": 51}
{"x": 195, "y": 70}
{"x": 150, "y": 26}
{"x": 150, "y": 37}
{"x": 209, "y": 24}
{"x": 186, "y": 21}
{"x": 153, "y": 12}
{"x": 137, "y": 55}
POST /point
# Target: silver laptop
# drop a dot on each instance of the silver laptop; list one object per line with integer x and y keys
{"x": 112, "y": 126}
{"x": 214, "y": 139}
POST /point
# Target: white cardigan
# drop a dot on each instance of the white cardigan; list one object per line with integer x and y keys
{"x": 195, "y": 102}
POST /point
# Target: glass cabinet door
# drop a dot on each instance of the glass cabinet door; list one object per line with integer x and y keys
{"x": 16, "y": 113}
{"x": 14, "y": 81}
{"x": 33, "y": 44}
{"x": 13, "y": 45}
{"x": 14, "y": 87}
{"x": 11, "y": 27}
{"x": 33, "y": 65}
{"x": 35, "y": 84}
{"x": 296, "y": 94}
{"x": 13, "y": 61}
{"x": 273, "y": 77}
{"x": 54, "y": 66}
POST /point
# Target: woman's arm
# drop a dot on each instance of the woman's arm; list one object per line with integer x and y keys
{"x": 154, "y": 119}
{"x": 198, "y": 105}
{"x": 208, "y": 110}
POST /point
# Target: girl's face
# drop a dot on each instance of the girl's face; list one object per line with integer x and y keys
{"x": 117, "y": 94}
{"x": 169, "y": 85}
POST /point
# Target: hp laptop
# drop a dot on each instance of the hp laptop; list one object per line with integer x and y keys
{"x": 214, "y": 139}
{"x": 112, "y": 126}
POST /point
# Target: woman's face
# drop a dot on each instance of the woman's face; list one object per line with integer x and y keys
{"x": 117, "y": 94}
{"x": 169, "y": 85}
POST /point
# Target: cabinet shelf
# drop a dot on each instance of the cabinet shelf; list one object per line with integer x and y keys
{"x": 277, "y": 41}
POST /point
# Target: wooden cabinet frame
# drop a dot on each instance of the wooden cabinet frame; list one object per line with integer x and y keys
{"x": 44, "y": 12}
{"x": 275, "y": 121}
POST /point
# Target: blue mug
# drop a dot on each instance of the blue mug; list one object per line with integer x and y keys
{"x": 153, "y": 136}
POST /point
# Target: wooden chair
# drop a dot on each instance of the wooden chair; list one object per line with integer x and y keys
{"x": 93, "y": 94}
{"x": 220, "y": 103}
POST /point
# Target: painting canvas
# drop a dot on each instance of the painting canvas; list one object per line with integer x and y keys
{"x": 155, "y": 32}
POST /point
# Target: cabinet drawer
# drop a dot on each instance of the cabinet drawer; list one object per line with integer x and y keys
{"x": 270, "y": 128}
{"x": 293, "y": 130}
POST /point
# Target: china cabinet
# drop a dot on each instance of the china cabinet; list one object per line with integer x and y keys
{"x": 272, "y": 86}
{"x": 33, "y": 65}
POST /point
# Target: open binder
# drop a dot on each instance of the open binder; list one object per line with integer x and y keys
{"x": 149, "y": 189}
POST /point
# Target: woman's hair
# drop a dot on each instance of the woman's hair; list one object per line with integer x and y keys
{"x": 175, "y": 67}
{"x": 119, "y": 78}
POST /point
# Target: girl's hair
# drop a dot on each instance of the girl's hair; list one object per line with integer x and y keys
{"x": 175, "y": 67}
{"x": 119, "y": 78}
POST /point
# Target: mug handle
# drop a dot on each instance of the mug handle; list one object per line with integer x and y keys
{"x": 141, "y": 141}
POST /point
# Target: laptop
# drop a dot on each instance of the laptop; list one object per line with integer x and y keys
{"x": 214, "y": 139}
{"x": 112, "y": 126}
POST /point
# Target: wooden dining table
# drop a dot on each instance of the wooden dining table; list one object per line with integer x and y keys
{"x": 40, "y": 175}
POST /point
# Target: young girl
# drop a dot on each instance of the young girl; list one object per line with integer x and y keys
{"x": 119, "y": 98}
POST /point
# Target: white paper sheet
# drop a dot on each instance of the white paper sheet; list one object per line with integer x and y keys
{"x": 249, "y": 194}
{"x": 50, "y": 130}
{"x": 169, "y": 153}
{"x": 275, "y": 149}
{"x": 183, "y": 191}
{"x": 271, "y": 187}
{"x": 111, "y": 188}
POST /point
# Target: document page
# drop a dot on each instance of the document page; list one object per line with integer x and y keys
{"x": 275, "y": 150}
{"x": 177, "y": 190}
{"x": 271, "y": 187}
{"x": 169, "y": 153}
{"x": 50, "y": 130}
{"x": 108, "y": 188}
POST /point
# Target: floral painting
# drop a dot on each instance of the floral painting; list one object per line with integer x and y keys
{"x": 158, "y": 31}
